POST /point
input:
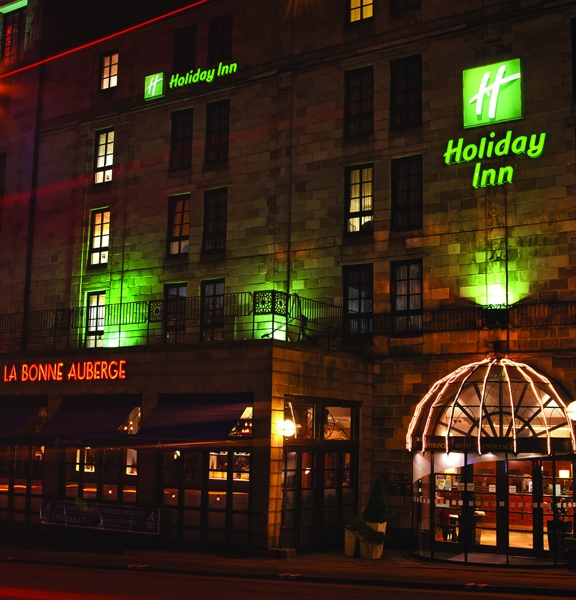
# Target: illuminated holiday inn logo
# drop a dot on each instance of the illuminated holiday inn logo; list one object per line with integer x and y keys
{"x": 492, "y": 94}
{"x": 154, "y": 84}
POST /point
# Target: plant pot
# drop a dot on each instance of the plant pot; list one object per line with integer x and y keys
{"x": 351, "y": 539}
{"x": 377, "y": 526}
{"x": 368, "y": 550}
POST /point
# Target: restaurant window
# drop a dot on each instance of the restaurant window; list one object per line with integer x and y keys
{"x": 359, "y": 182}
{"x": 104, "y": 156}
{"x": 337, "y": 423}
{"x": 175, "y": 312}
{"x": 102, "y": 474}
{"x": 359, "y": 101}
{"x": 184, "y": 49}
{"x": 406, "y": 92}
{"x": 303, "y": 416}
{"x": 360, "y": 10}
{"x": 99, "y": 237}
{"x": 398, "y": 7}
{"x": 406, "y": 293}
{"x": 220, "y": 39}
{"x": 181, "y": 139}
{"x": 14, "y": 36}
{"x": 406, "y": 191}
{"x": 178, "y": 224}
{"x": 212, "y": 310}
{"x": 215, "y": 220}
{"x": 109, "y": 71}
{"x": 358, "y": 299}
{"x": 95, "y": 319}
{"x": 217, "y": 131}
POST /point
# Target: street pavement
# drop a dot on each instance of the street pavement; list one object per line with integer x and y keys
{"x": 395, "y": 569}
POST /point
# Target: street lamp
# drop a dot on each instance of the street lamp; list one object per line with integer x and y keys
{"x": 287, "y": 429}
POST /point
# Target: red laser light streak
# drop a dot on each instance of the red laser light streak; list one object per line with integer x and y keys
{"x": 104, "y": 39}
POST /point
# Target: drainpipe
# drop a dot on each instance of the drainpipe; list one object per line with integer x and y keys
{"x": 32, "y": 212}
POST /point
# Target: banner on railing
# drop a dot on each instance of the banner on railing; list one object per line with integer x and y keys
{"x": 100, "y": 516}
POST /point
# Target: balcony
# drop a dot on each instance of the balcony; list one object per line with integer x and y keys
{"x": 243, "y": 316}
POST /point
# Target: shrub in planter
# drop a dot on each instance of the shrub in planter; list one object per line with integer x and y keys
{"x": 371, "y": 542}
{"x": 376, "y": 510}
{"x": 351, "y": 538}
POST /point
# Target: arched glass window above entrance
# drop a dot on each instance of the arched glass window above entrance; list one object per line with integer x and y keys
{"x": 494, "y": 405}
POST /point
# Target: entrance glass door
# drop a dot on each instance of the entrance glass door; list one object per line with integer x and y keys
{"x": 523, "y": 510}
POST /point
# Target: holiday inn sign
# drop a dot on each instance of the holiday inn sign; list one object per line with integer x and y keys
{"x": 491, "y": 95}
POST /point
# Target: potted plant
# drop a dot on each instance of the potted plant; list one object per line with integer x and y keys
{"x": 351, "y": 535}
{"x": 371, "y": 542}
{"x": 376, "y": 512}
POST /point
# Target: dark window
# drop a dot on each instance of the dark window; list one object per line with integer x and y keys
{"x": 104, "y": 156}
{"x": 361, "y": 10}
{"x": 220, "y": 39}
{"x": 406, "y": 184}
{"x": 398, "y": 7}
{"x": 214, "y": 230}
{"x": 212, "y": 318}
{"x": 358, "y": 298}
{"x": 178, "y": 224}
{"x": 99, "y": 237}
{"x": 406, "y": 92}
{"x": 360, "y": 199}
{"x": 184, "y": 49}
{"x": 109, "y": 71}
{"x": 406, "y": 297}
{"x": 573, "y": 27}
{"x": 181, "y": 139}
{"x": 359, "y": 101}
{"x": 14, "y": 36}
{"x": 95, "y": 319}
{"x": 217, "y": 131}
{"x": 175, "y": 312}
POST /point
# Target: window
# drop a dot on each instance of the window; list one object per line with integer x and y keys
{"x": 104, "y": 156}
{"x": 178, "y": 224}
{"x": 217, "y": 131}
{"x": 406, "y": 189}
{"x": 406, "y": 297}
{"x": 358, "y": 296}
{"x": 184, "y": 49}
{"x": 175, "y": 312}
{"x": 181, "y": 139}
{"x": 398, "y": 7}
{"x": 214, "y": 230}
{"x": 99, "y": 237}
{"x": 359, "y": 101}
{"x": 406, "y": 92}
{"x": 360, "y": 199}
{"x": 14, "y": 36}
{"x": 212, "y": 316}
{"x": 220, "y": 39}
{"x": 361, "y": 10}
{"x": 109, "y": 73}
{"x": 95, "y": 319}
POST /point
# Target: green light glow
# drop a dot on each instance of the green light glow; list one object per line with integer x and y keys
{"x": 492, "y": 94}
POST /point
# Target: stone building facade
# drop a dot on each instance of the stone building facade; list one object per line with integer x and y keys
{"x": 296, "y": 201}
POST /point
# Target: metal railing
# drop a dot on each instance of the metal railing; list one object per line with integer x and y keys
{"x": 241, "y": 316}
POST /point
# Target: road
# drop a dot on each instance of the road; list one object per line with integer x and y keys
{"x": 40, "y": 582}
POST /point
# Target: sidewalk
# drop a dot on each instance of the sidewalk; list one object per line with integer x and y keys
{"x": 394, "y": 569}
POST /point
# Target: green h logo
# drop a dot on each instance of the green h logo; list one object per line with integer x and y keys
{"x": 154, "y": 86}
{"x": 492, "y": 94}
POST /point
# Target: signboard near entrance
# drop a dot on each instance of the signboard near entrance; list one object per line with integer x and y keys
{"x": 100, "y": 516}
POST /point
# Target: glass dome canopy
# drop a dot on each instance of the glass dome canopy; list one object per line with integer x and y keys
{"x": 493, "y": 405}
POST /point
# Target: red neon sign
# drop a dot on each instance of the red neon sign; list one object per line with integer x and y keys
{"x": 76, "y": 371}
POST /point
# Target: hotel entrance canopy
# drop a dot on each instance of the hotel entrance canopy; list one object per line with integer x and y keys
{"x": 494, "y": 405}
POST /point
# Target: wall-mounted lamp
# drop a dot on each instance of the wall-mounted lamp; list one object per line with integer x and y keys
{"x": 571, "y": 411}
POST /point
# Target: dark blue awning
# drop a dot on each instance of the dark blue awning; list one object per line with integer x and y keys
{"x": 88, "y": 420}
{"x": 179, "y": 419}
{"x": 18, "y": 413}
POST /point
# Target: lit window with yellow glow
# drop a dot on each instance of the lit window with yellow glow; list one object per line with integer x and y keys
{"x": 361, "y": 10}
{"x": 109, "y": 78}
{"x": 104, "y": 155}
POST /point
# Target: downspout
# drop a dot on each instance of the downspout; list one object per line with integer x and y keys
{"x": 32, "y": 212}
